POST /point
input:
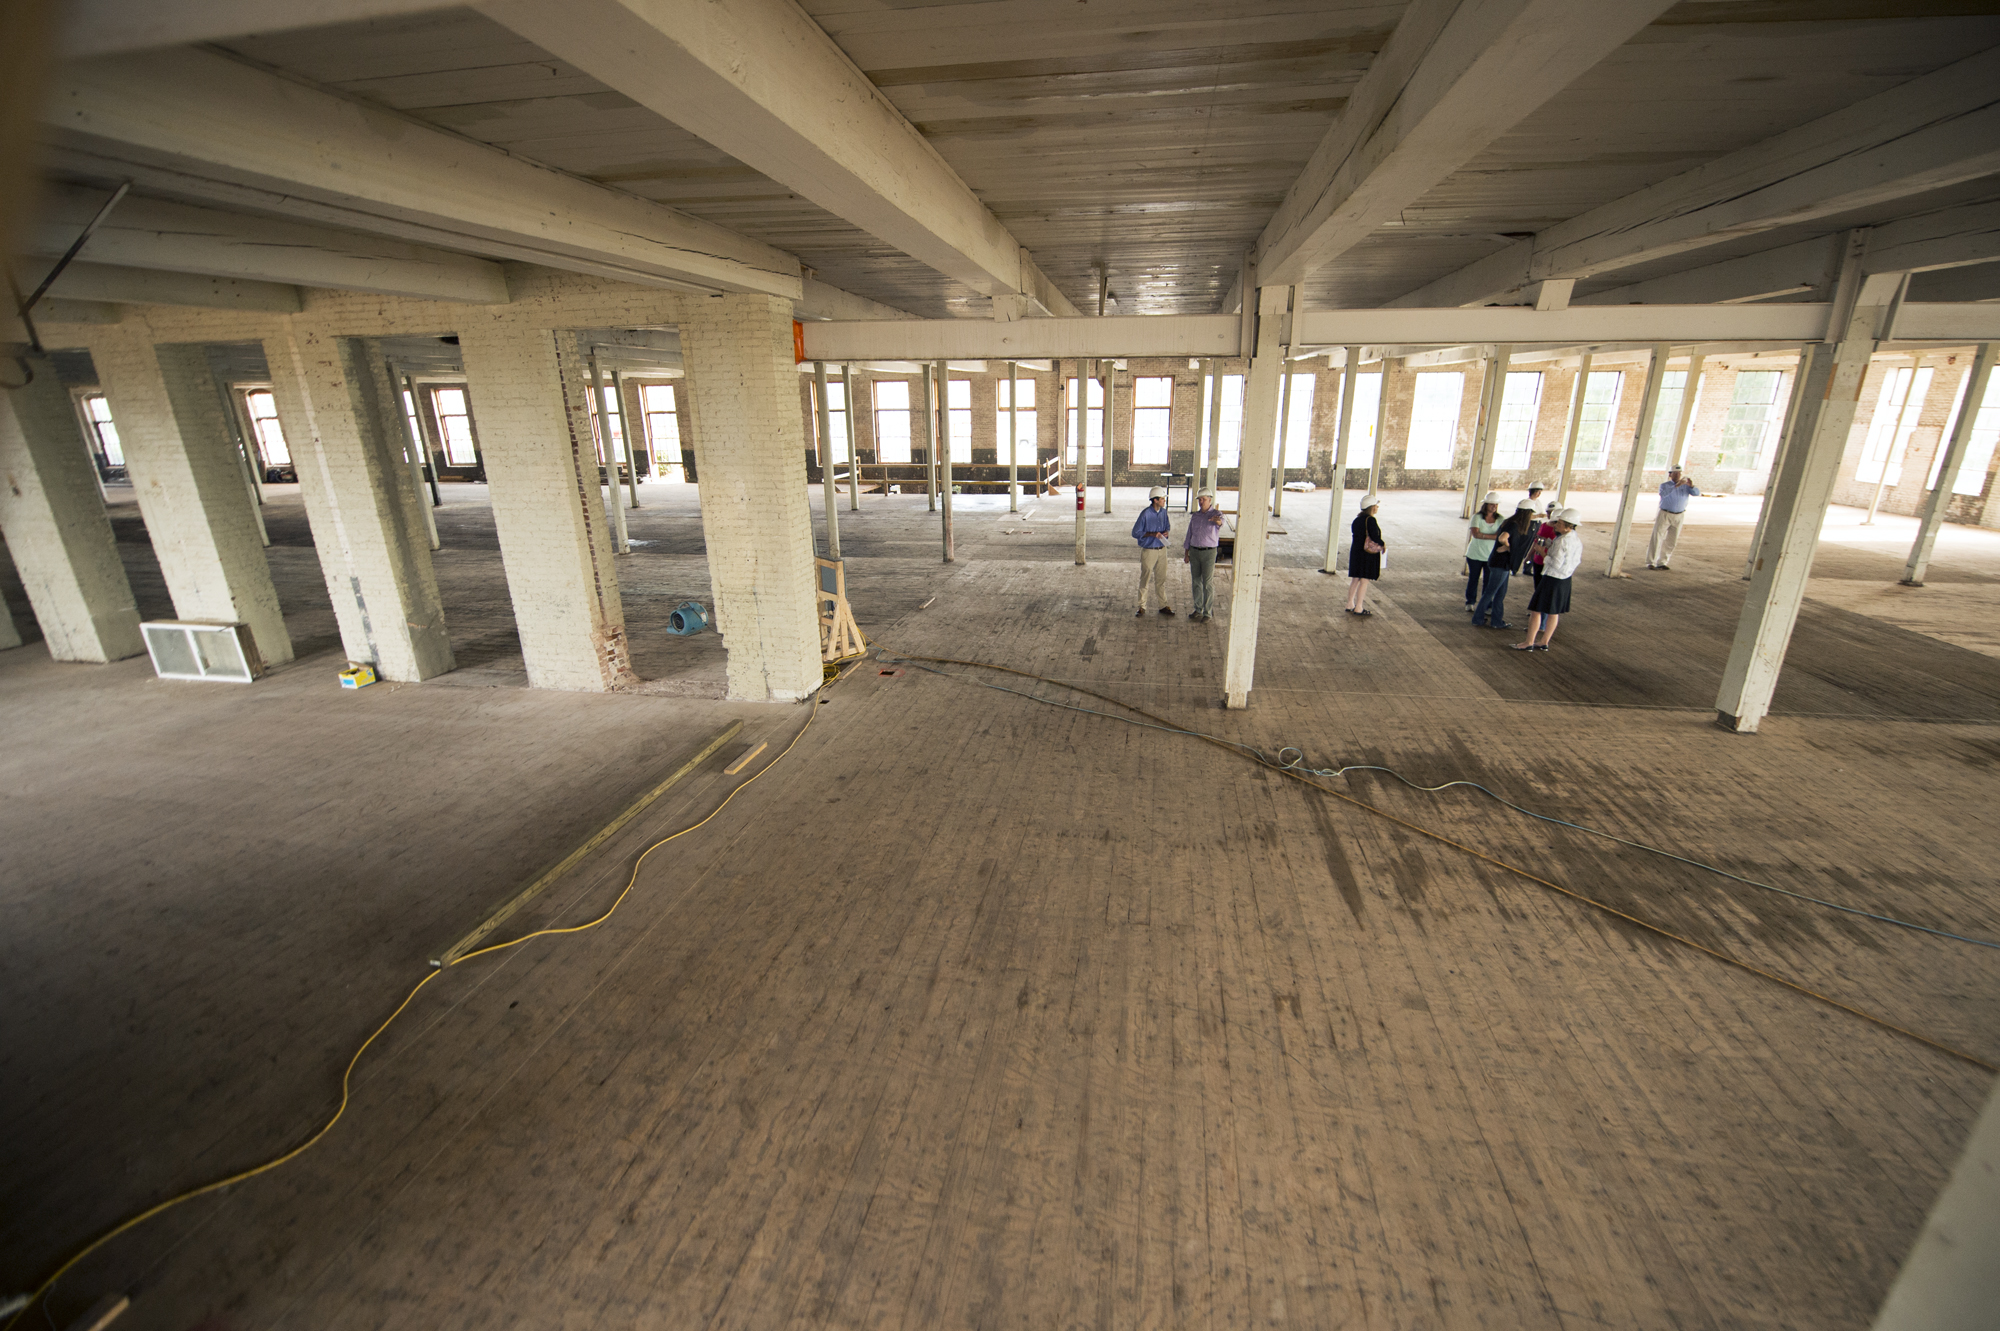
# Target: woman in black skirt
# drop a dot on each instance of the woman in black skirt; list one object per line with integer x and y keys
{"x": 1364, "y": 557}
{"x": 1551, "y": 599}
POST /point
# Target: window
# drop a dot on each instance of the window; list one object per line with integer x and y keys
{"x": 609, "y": 423}
{"x": 1434, "y": 421}
{"x": 1094, "y": 423}
{"x": 1659, "y": 444}
{"x": 99, "y": 412}
{"x": 1299, "y": 420}
{"x": 1753, "y": 411}
{"x": 1593, "y": 426}
{"x": 1229, "y": 440}
{"x": 836, "y": 416}
{"x": 1514, "y": 432}
{"x": 1152, "y": 419}
{"x": 1025, "y": 443}
{"x": 410, "y": 419}
{"x": 455, "y": 422}
{"x": 1895, "y": 421}
{"x": 1361, "y": 430}
{"x": 892, "y": 420}
{"x": 961, "y": 419}
{"x": 262, "y": 409}
{"x": 1971, "y": 477}
{"x": 661, "y": 407}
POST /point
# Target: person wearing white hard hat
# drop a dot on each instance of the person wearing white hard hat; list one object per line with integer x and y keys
{"x": 1485, "y": 527}
{"x": 1364, "y": 557}
{"x": 1675, "y": 491}
{"x": 1551, "y": 599}
{"x": 1198, "y": 548}
{"x": 1509, "y": 549}
{"x": 1151, "y": 532}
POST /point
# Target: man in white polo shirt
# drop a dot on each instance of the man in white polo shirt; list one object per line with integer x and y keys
{"x": 1675, "y": 491}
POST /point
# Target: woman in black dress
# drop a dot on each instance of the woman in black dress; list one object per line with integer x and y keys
{"x": 1364, "y": 557}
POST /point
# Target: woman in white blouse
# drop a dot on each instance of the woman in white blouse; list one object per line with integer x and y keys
{"x": 1551, "y": 599}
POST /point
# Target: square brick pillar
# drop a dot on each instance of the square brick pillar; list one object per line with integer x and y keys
{"x": 185, "y": 466}
{"x": 343, "y": 419}
{"x": 57, "y": 531}
{"x": 528, "y": 393}
{"x": 750, "y": 454}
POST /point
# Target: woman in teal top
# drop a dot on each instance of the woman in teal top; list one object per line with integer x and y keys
{"x": 1485, "y": 527}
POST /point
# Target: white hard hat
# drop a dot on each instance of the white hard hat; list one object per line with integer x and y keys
{"x": 1369, "y": 501}
{"x": 1157, "y": 492}
{"x": 1492, "y": 497}
{"x": 1525, "y": 506}
{"x": 1206, "y": 494}
{"x": 1571, "y": 516}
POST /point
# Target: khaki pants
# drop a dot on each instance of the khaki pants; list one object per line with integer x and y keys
{"x": 1153, "y": 573}
{"x": 1666, "y": 535}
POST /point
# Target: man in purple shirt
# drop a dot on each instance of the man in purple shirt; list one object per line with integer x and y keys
{"x": 1151, "y": 532}
{"x": 1204, "y": 534}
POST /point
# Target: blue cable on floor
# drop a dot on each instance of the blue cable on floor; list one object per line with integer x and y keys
{"x": 1298, "y": 765}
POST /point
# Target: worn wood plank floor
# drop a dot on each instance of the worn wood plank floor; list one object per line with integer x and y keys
{"x": 980, "y": 1012}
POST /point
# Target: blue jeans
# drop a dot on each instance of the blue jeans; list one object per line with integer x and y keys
{"x": 1493, "y": 601}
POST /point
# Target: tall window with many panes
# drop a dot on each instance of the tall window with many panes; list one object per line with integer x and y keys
{"x": 1434, "y": 411}
{"x": 1659, "y": 445}
{"x": 1025, "y": 435}
{"x": 1093, "y": 421}
{"x": 1984, "y": 402}
{"x": 1897, "y": 407}
{"x": 1298, "y": 420}
{"x": 261, "y": 406}
{"x": 892, "y": 420}
{"x": 1755, "y": 412}
{"x": 110, "y": 452}
{"x": 454, "y": 417}
{"x": 1594, "y": 418}
{"x": 1152, "y": 419}
{"x": 660, "y": 404}
{"x": 1514, "y": 432}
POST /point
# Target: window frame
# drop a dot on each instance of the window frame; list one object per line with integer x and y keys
{"x": 1152, "y": 422}
{"x": 1434, "y": 425}
{"x": 1503, "y": 427}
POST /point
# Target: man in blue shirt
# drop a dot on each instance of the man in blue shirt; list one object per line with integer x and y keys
{"x": 1675, "y": 491}
{"x": 1151, "y": 532}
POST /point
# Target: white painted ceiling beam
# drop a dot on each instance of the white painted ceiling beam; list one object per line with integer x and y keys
{"x": 760, "y": 80}
{"x": 191, "y": 121}
{"x": 148, "y": 286}
{"x": 112, "y": 27}
{"x": 1948, "y": 238}
{"x": 178, "y": 237}
{"x": 1931, "y": 132}
{"x": 1025, "y": 339}
{"x": 1808, "y": 266}
{"x": 1452, "y": 78}
{"x": 822, "y": 302}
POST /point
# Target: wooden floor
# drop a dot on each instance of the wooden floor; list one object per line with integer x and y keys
{"x": 979, "y": 1012}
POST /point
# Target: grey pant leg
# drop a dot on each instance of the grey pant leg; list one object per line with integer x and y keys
{"x": 1201, "y": 571}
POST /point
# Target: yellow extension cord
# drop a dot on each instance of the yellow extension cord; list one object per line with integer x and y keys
{"x": 41, "y": 1291}
{"x": 347, "y": 1075}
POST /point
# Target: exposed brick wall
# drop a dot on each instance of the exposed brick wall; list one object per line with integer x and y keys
{"x": 754, "y": 511}
{"x": 190, "y": 481}
{"x": 374, "y": 549}
{"x": 57, "y": 530}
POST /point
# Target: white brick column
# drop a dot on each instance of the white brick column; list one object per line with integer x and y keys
{"x": 750, "y": 456}
{"x": 527, "y": 389}
{"x": 189, "y": 476}
{"x": 342, "y": 418}
{"x": 57, "y": 531}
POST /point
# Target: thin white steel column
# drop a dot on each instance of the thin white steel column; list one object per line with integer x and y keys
{"x": 631, "y": 424}
{"x": 1798, "y": 506}
{"x": 414, "y": 434}
{"x": 826, "y": 489}
{"x": 1108, "y": 370}
{"x": 607, "y": 455}
{"x": 1635, "y": 470}
{"x": 1786, "y": 433}
{"x": 1486, "y": 409}
{"x": 1253, "y": 520}
{"x": 853, "y": 452}
{"x": 1013, "y": 437}
{"x": 944, "y": 454}
{"x": 1342, "y": 429}
{"x": 1503, "y": 360}
{"x": 1576, "y": 400}
{"x": 1684, "y": 422}
{"x": 928, "y": 417}
{"x": 1971, "y": 396}
{"x": 1081, "y": 405}
{"x": 1284, "y": 433}
{"x": 1381, "y": 427}
{"x": 1214, "y": 440}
